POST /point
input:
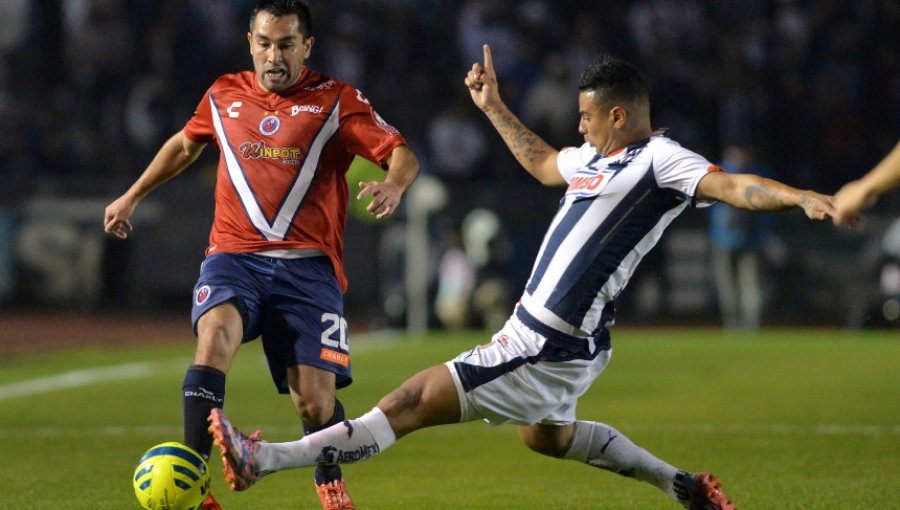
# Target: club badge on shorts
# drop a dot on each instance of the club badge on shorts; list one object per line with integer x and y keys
{"x": 201, "y": 295}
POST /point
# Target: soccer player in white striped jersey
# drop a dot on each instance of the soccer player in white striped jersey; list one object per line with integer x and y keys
{"x": 857, "y": 195}
{"x": 626, "y": 184}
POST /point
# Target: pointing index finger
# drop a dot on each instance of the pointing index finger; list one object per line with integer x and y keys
{"x": 488, "y": 60}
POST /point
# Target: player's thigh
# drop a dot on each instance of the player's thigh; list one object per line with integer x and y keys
{"x": 304, "y": 324}
{"x": 236, "y": 278}
{"x": 426, "y": 399}
{"x": 219, "y": 334}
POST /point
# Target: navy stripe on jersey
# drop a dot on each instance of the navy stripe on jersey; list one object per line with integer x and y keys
{"x": 575, "y": 213}
{"x": 556, "y": 238}
{"x": 625, "y": 226}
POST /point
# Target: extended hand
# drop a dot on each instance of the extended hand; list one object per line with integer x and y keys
{"x": 385, "y": 197}
{"x": 481, "y": 81}
{"x": 115, "y": 220}
{"x": 852, "y": 198}
{"x": 816, "y": 205}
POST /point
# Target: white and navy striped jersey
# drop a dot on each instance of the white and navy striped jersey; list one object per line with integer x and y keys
{"x": 614, "y": 211}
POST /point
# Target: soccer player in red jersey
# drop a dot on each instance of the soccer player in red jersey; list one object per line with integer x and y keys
{"x": 286, "y": 136}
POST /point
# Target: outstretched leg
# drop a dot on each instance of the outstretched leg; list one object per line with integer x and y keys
{"x": 428, "y": 398}
{"x": 602, "y": 446}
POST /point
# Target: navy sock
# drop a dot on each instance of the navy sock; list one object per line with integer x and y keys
{"x": 203, "y": 389}
{"x": 326, "y": 473}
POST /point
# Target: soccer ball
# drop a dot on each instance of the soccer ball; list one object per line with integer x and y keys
{"x": 171, "y": 476}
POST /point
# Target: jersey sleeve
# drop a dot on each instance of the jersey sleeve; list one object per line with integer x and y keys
{"x": 681, "y": 169}
{"x": 364, "y": 132}
{"x": 200, "y": 128}
{"x": 571, "y": 159}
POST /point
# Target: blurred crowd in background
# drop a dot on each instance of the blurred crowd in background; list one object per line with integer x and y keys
{"x": 90, "y": 89}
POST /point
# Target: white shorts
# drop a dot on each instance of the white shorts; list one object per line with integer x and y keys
{"x": 510, "y": 380}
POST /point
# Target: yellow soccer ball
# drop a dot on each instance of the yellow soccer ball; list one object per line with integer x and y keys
{"x": 171, "y": 476}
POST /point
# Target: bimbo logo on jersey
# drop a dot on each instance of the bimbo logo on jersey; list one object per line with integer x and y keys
{"x": 289, "y": 155}
{"x": 587, "y": 183}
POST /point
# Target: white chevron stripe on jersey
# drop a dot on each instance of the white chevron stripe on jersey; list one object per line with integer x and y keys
{"x": 278, "y": 229}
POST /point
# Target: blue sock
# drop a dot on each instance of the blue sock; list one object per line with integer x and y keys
{"x": 326, "y": 473}
{"x": 202, "y": 390}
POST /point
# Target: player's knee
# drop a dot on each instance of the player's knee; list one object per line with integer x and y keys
{"x": 315, "y": 411}
{"x": 538, "y": 440}
{"x": 545, "y": 448}
{"x": 216, "y": 346}
{"x": 218, "y": 336}
{"x": 399, "y": 401}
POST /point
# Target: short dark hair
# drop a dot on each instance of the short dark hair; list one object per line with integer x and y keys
{"x": 279, "y": 8}
{"x": 613, "y": 79}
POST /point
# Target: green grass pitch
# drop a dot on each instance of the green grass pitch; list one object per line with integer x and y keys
{"x": 786, "y": 419}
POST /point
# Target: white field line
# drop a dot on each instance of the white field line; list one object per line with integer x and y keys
{"x": 85, "y": 377}
{"x": 139, "y": 370}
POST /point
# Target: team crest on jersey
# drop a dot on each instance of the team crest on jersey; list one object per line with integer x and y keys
{"x": 269, "y": 125}
{"x": 289, "y": 155}
{"x": 202, "y": 295}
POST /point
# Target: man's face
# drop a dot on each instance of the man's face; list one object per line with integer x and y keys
{"x": 278, "y": 50}
{"x": 594, "y": 123}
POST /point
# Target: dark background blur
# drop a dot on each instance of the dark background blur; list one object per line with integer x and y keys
{"x": 90, "y": 89}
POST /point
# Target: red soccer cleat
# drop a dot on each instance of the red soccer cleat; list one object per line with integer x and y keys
{"x": 334, "y": 496}
{"x": 706, "y": 494}
{"x": 238, "y": 451}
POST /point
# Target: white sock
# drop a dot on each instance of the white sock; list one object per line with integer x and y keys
{"x": 602, "y": 446}
{"x": 342, "y": 443}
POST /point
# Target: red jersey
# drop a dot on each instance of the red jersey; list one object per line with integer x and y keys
{"x": 283, "y": 157}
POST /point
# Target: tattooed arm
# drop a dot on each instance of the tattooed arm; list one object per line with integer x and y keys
{"x": 532, "y": 152}
{"x": 756, "y": 193}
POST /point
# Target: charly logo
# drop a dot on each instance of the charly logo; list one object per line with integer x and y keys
{"x": 202, "y": 295}
{"x": 269, "y": 125}
{"x": 203, "y": 393}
